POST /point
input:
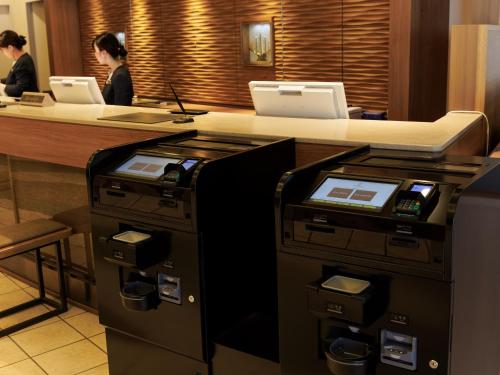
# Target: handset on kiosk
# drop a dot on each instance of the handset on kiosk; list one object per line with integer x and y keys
{"x": 414, "y": 200}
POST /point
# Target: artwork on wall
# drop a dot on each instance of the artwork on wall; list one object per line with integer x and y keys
{"x": 120, "y": 35}
{"x": 257, "y": 43}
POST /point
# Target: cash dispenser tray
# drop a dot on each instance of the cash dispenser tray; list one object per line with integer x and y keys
{"x": 345, "y": 298}
{"x": 134, "y": 249}
{"x": 349, "y": 357}
{"x": 139, "y": 296}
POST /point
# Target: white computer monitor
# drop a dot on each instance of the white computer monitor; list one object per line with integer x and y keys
{"x": 76, "y": 90}
{"x": 324, "y": 100}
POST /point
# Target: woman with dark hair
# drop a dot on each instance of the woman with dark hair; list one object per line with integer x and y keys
{"x": 22, "y": 76}
{"x": 119, "y": 89}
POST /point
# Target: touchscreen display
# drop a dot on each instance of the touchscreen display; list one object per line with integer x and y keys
{"x": 355, "y": 193}
{"x": 422, "y": 189}
{"x": 187, "y": 164}
{"x": 145, "y": 166}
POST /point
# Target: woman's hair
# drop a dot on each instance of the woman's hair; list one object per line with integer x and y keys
{"x": 109, "y": 43}
{"x": 11, "y": 38}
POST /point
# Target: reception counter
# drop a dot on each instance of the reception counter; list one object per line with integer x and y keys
{"x": 67, "y": 134}
{"x": 48, "y": 148}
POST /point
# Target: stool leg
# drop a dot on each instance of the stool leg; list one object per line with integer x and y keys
{"x": 39, "y": 271}
{"x": 60, "y": 275}
{"x": 87, "y": 241}
{"x": 69, "y": 261}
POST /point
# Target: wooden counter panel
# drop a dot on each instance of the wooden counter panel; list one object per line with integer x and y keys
{"x": 306, "y": 153}
{"x": 472, "y": 143}
{"x": 60, "y": 143}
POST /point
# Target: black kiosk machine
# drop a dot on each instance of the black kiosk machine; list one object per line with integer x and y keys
{"x": 389, "y": 265}
{"x": 184, "y": 248}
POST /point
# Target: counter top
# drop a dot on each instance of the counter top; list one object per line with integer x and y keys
{"x": 398, "y": 135}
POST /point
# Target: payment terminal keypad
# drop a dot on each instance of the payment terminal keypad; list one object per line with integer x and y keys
{"x": 409, "y": 207}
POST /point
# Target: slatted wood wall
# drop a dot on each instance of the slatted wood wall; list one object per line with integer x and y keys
{"x": 196, "y": 45}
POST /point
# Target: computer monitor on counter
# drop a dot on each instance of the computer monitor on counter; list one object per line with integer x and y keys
{"x": 76, "y": 90}
{"x": 324, "y": 100}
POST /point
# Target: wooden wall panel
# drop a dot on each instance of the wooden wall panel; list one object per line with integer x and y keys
{"x": 429, "y": 60}
{"x": 146, "y": 49}
{"x": 365, "y": 49}
{"x": 312, "y": 38}
{"x": 473, "y": 12}
{"x": 97, "y": 16}
{"x": 63, "y": 37}
{"x": 400, "y": 31}
{"x": 196, "y": 45}
{"x": 419, "y": 34}
{"x": 201, "y": 49}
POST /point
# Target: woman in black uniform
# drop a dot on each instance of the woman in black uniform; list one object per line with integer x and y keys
{"x": 22, "y": 76}
{"x": 119, "y": 89}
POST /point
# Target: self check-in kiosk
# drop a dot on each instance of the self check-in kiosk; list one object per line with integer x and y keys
{"x": 389, "y": 265}
{"x": 184, "y": 245}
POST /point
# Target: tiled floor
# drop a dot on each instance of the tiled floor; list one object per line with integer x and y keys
{"x": 71, "y": 343}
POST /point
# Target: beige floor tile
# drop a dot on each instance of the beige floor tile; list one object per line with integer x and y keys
{"x": 72, "y": 311}
{"x": 100, "y": 341}
{"x": 26, "y": 367}
{"x": 10, "y": 353}
{"x": 71, "y": 359}
{"x": 31, "y": 291}
{"x": 87, "y": 324}
{"x": 7, "y": 285}
{"x": 25, "y": 315}
{"x": 100, "y": 370}
{"x": 19, "y": 283}
{"x": 27, "y": 215}
{"x": 40, "y": 340}
{"x": 34, "y": 293}
{"x": 6, "y": 216}
{"x": 11, "y": 299}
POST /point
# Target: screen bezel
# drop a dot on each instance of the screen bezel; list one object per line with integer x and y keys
{"x": 398, "y": 184}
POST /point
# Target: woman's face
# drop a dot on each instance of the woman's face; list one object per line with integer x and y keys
{"x": 100, "y": 55}
{"x": 8, "y": 52}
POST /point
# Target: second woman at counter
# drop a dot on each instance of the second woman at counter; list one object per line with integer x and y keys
{"x": 119, "y": 89}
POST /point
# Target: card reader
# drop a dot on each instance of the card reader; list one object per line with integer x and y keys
{"x": 413, "y": 201}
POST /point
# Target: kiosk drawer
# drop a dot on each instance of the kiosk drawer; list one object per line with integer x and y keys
{"x": 339, "y": 297}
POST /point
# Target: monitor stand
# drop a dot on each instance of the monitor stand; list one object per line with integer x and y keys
{"x": 183, "y": 120}
{"x": 191, "y": 112}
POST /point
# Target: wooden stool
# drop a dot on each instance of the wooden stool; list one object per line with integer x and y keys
{"x": 32, "y": 235}
{"x": 78, "y": 219}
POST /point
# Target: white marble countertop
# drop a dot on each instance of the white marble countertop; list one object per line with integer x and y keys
{"x": 399, "y": 135}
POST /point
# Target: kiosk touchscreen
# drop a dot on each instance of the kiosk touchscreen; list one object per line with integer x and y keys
{"x": 76, "y": 90}
{"x": 152, "y": 167}
{"x": 353, "y": 193}
{"x": 144, "y": 166}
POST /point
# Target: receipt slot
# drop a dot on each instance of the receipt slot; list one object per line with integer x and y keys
{"x": 175, "y": 221}
{"x": 370, "y": 281}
